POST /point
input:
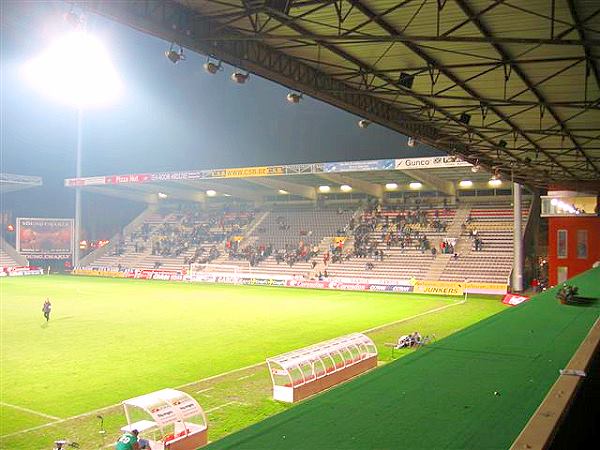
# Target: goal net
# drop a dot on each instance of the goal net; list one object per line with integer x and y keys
{"x": 241, "y": 267}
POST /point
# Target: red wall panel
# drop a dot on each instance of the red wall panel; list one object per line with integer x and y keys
{"x": 573, "y": 264}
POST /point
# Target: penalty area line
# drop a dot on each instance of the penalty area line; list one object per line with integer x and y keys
{"x": 31, "y": 411}
{"x": 406, "y": 319}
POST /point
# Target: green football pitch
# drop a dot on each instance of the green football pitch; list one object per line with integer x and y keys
{"x": 111, "y": 339}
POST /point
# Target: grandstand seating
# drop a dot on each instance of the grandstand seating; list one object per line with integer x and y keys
{"x": 283, "y": 226}
{"x": 494, "y": 226}
{"x": 171, "y": 225}
{"x": 397, "y": 263}
{"x": 6, "y": 260}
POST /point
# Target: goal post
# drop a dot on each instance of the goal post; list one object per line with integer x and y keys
{"x": 241, "y": 267}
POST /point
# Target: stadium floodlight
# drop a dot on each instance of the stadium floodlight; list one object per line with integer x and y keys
{"x": 239, "y": 77}
{"x": 415, "y": 185}
{"x": 465, "y": 183}
{"x": 391, "y": 186}
{"x": 226, "y": 195}
{"x": 211, "y": 192}
{"x": 324, "y": 188}
{"x": 364, "y": 123}
{"x": 495, "y": 181}
{"x": 175, "y": 56}
{"x": 411, "y": 141}
{"x": 162, "y": 195}
{"x": 345, "y": 188}
{"x": 294, "y": 98}
{"x": 282, "y": 192}
{"x": 75, "y": 69}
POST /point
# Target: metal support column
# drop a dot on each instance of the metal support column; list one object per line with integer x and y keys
{"x": 77, "y": 230}
{"x": 517, "y": 274}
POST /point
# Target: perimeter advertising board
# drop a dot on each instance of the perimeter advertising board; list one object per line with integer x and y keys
{"x": 45, "y": 238}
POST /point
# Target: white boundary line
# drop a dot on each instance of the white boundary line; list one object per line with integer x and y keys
{"x": 89, "y": 413}
{"x": 406, "y": 319}
{"x": 208, "y": 411}
{"x": 31, "y": 411}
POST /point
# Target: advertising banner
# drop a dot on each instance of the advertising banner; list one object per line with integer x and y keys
{"x": 45, "y": 238}
{"x": 439, "y": 287}
{"x": 21, "y": 271}
{"x": 430, "y": 163}
{"x": 99, "y": 273}
{"x": 514, "y": 300}
{"x": 359, "y": 166}
{"x": 486, "y": 288}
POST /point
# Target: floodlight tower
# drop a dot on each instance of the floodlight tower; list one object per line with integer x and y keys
{"x": 75, "y": 70}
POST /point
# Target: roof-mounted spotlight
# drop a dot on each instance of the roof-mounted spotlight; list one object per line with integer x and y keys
{"x": 391, "y": 186}
{"x": 211, "y": 67}
{"x": 162, "y": 195}
{"x": 211, "y": 192}
{"x": 174, "y": 55}
{"x": 364, "y": 123}
{"x": 324, "y": 189}
{"x": 495, "y": 181}
{"x": 282, "y": 192}
{"x": 415, "y": 185}
{"x": 240, "y": 77}
{"x": 465, "y": 184}
{"x": 293, "y": 97}
{"x": 411, "y": 141}
{"x": 345, "y": 188}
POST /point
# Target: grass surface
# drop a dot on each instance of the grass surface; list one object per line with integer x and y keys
{"x": 443, "y": 396}
{"x": 111, "y": 339}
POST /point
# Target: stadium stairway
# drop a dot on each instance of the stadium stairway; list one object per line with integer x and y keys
{"x": 438, "y": 266}
{"x": 9, "y": 257}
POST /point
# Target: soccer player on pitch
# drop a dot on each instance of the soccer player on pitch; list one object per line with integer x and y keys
{"x": 46, "y": 309}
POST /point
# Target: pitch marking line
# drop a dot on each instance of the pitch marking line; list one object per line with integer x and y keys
{"x": 253, "y": 366}
{"x": 31, "y": 411}
{"x": 208, "y": 411}
{"x": 246, "y": 377}
{"x": 406, "y": 319}
{"x": 204, "y": 390}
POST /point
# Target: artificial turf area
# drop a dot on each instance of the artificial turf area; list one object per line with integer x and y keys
{"x": 111, "y": 339}
{"x": 444, "y": 395}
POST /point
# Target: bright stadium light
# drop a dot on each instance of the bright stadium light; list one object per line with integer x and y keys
{"x": 211, "y": 192}
{"x": 162, "y": 195}
{"x": 75, "y": 69}
{"x": 324, "y": 188}
{"x": 465, "y": 183}
{"x": 345, "y": 188}
{"x": 495, "y": 182}
{"x": 282, "y": 192}
{"x": 415, "y": 185}
{"x": 391, "y": 186}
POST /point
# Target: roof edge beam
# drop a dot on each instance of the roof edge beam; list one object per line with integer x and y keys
{"x": 293, "y": 188}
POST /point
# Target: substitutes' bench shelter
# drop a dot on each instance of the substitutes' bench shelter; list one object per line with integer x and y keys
{"x": 169, "y": 419}
{"x": 301, "y": 373}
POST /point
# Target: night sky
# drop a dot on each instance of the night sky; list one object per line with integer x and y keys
{"x": 171, "y": 117}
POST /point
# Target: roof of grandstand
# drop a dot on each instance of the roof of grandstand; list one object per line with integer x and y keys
{"x": 372, "y": 177}
{"x": 10, "y": 182}
{"x": 513, "y": 87}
